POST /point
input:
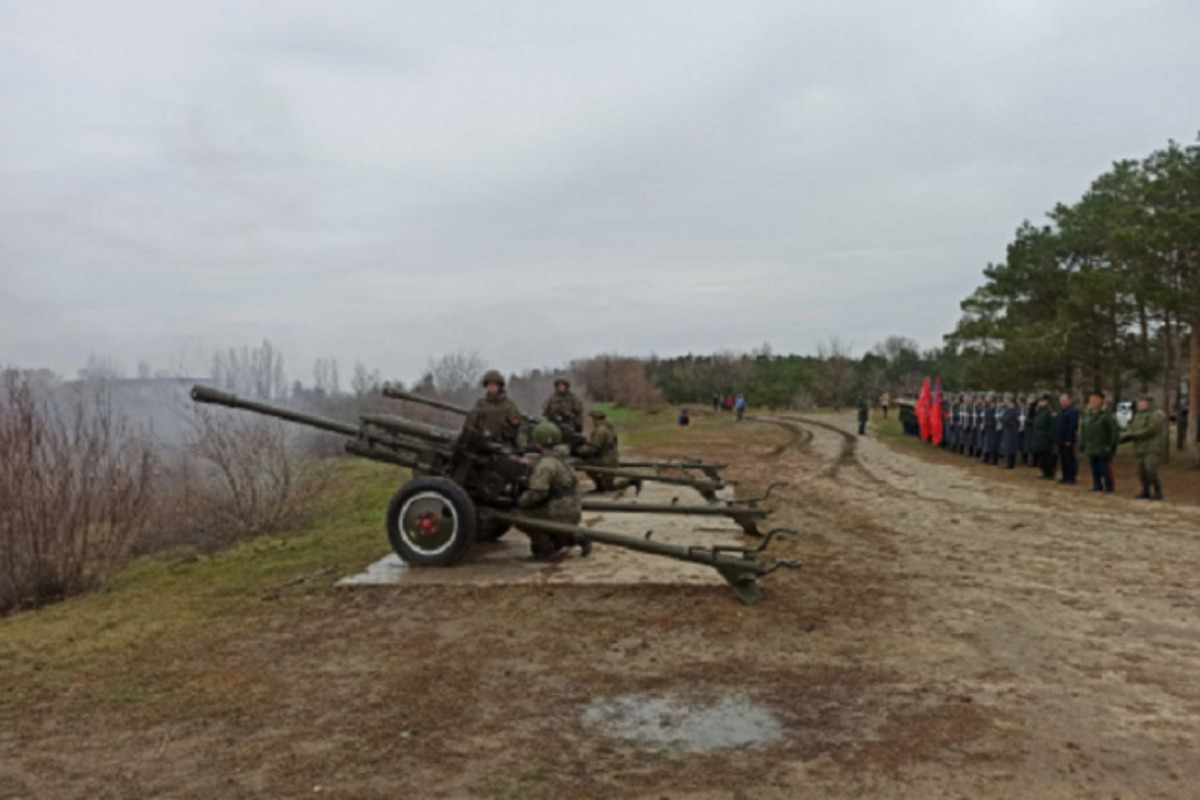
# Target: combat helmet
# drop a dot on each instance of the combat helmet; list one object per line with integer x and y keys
{"x": 492, "y": 376}
{"x": 564, "y": 380}
{"x": 597, "y": 413}
{"x": 546, "y": 435}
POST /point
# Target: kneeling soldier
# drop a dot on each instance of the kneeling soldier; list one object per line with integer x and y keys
{"x": 550, "y": 494}
{"x": 601, "y": 450}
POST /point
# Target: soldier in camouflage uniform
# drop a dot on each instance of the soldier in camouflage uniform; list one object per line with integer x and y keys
{"x": 1146, "y": 431}
{"x": 550, "y": 494}
{"x": 563, "y": 408}
{"x": 600, "y": 450}
{"x": 495, "y": 417}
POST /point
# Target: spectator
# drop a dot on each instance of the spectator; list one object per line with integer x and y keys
{"x": 1066, "y": 433}
{"x": 685, "y": 418}
{"x": 740, "y": 405}
{"x": 1042, "y": 443}
{"x": 1099, "y": 440}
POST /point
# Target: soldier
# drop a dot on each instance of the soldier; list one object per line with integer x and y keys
{"x": 1024, "y": 423}
{"x": 600, "y": 450}
{"x": 951, "y": 434}
{"x": 864, "y": 411}
{"x": 550, "y": 494}
{"x": 1042, "y": 442}
{"x": 1009, "y": 420}
{"x": 991, "y": 430}
{"x": 563, "y": 408}
{"x": 1099, "y": 439}
{"x": 1147, "y": 432}
{"x": 495, "y": 418}
{"x": 966, "y": 444}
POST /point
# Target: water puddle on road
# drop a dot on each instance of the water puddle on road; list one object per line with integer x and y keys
{"x": 670, "y": 722}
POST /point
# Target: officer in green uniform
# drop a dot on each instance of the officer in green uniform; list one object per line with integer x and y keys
{"x": 1146, "y": 431}
{"x": 563, "y": 408}
{"x": 495, "y": 418}
{"x": 600, "y": 450}
{"x": 1098, "y": 437}
{"x": 550, "y": 494}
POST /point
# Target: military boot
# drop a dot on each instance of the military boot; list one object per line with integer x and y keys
{"x": 1157, "y": 492}
{"x": 1145, "y": 495}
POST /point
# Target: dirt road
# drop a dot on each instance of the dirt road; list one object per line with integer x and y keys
{"x": 954, "y": 633}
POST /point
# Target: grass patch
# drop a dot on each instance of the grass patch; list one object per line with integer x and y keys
{"x": 103, "y": 647}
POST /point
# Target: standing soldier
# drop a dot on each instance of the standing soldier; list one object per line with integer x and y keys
{"x": 991, "y": 429}
{"x": 952, "y": 425}
{"x": 1099, "y": 439}
{"x": 1024, "y": 423}
{"x": 968, "y": 442}
{"x": 495, "y": 417}
{"x": 1147, "y": 432}
{"x": 1066, "y": 434}
{"x": 550, "y": 494}
{"x": 1009, "y": 422}
{"x": 1042, "y": 441}
{"x": 864, "y": 412}
{"x": 600, "y": 450}
{"x": 563, "y": 408}
{"x": 980, "y": 406}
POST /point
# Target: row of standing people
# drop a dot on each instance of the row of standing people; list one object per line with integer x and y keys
{"x": 1030, "y": 430}
{"x": 730, "y": 403}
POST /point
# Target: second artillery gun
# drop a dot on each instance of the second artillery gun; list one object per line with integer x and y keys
{"x": 464, "y": 490}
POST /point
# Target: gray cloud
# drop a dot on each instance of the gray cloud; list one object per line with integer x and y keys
{"x": 384, "y": 182}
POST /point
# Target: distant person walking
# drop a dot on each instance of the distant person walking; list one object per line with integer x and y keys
{"x": 1066, "y": 433}
{"x": 864, "y": 412}
{"x": 1099, "y": 438}
{"x": 716, "y": 402}
{"x": 885, "y": 400}
{"x": 740, "y": 405}
{"x": 685, "y": 418}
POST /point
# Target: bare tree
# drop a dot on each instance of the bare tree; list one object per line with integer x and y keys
{"x": 365, "y": 381}
{"x": 253, "y": 371}
{"x": 837, "y": 372}
{"x": 325, "y": 377}
{"x": 75, "y": 491}
{"x": 455, "y": 374}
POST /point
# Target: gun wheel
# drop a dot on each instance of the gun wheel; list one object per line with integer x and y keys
{"x": 431, "y": 522}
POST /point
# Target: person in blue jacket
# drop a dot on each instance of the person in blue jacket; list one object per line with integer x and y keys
{"x": 1066, "y": 436}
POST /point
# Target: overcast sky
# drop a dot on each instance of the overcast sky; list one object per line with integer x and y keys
{"x": 388, "y": 181}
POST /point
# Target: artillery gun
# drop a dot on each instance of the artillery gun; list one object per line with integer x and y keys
{"x": 635, "y": 471}
{"x": 464, "y": 490}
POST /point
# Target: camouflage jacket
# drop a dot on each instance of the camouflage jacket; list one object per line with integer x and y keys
{"x": 601, "y": 446}
{"x": 551, "y": 489}
{"x": 1146, "y": 432}
{"x": 564, "y": 410}
{"x": 495, "y": 418}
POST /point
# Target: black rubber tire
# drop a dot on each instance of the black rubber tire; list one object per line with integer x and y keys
{"x": 457, "y": 511}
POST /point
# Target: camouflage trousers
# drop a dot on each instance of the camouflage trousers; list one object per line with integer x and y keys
{"x": 1147, "y": 469}
{"x": 564, "y": 510}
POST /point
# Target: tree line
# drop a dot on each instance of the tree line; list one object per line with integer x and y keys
{"x": 1104, "y": 295}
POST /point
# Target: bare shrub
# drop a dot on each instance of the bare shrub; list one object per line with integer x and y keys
{"x": 75, "y": 491}
{"x": 619, "y": 379}
{"x": 238, "y": 477}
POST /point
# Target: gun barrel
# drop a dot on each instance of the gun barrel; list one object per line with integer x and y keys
{"x": 416, "y": 430}
{"x": 400, "y": 394}
{"x": 205, "y": 394}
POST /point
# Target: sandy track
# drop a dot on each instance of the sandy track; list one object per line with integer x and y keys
{"x": 1071, "y": 616}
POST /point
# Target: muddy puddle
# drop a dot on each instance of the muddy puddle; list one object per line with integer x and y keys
{"x": 671, "y": 722}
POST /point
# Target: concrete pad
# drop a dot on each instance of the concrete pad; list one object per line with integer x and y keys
{"x": 503, "y": 562}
